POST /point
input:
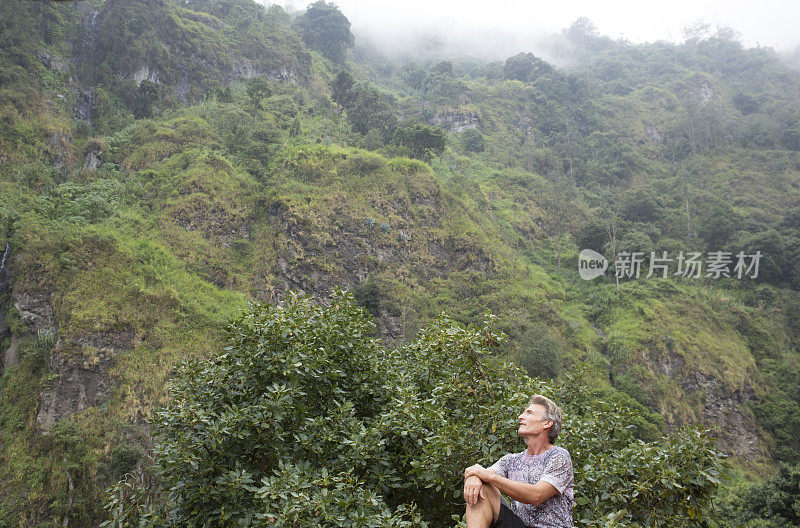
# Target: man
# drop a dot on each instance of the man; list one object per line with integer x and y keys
{"x": 539, "y": 479}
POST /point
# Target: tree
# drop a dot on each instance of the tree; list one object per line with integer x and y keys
{"x": 299, "y": 422}
{"x": 443, "y": 86}
{"x": 774, "y": 267}
{"x": 639, "y": 206}
{"x": 539, "y": 353}
{"x": 443, "y": 67}
{"x": 423, "y": 140}
{"x": 696, "y": 33}
{"x": 719, "y": 226}
{"x": 146, "y": 96}
{"x": 779, "y": 414}
{"x": 773, "y": 503}
{"x": 439, "y": 83}
{"x": 526, "y": 67}
{"x": 276, "y": 16}
{"x": 342, "y": 91}
{"x": 790, "y": 136}
{"x": 582, "y": 28}
{"x": 257, "y": 89}
{"x": 557, "y": 200}
{"x": 746, "y": 104}
{"x": 372, "y": 110}
{"x": 324, "y": 28}
{"x": 413, "y": 75}
{"x": 592, "y": 236}
{"x": 473, "y": 140}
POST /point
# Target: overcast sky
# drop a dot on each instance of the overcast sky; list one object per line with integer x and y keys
{"x": 774, "y": 23}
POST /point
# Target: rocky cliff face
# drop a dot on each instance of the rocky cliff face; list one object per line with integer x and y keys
{"x": 354, "y": 248}
{"x": 724, "y": 410}
{"x": 360, "y": 253}
{"x": 737, "y": 427}
{"x": 80, "y": 382}
{"x": 77, "y": 383}
{"x": 456, "y": 119}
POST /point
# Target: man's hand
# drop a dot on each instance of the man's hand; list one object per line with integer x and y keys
{"x": 479, "y": 471}
{"x": 472, "y": 490}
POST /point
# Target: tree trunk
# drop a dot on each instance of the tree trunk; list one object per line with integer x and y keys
{"x": 71, "y": 489}
{"x": 559, "y": 252}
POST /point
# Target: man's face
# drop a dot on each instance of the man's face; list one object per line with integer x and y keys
{"x": 532, "y": 422}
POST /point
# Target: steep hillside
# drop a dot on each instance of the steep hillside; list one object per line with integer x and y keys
{"x": 162, "y": 164}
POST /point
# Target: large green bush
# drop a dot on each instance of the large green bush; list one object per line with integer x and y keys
{"x": 306, "y": 420}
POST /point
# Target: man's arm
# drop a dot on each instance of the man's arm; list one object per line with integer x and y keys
{"x": 519, "y": 491}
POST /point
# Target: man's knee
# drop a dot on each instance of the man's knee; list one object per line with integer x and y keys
{"x": 492, "y": 495}
{"x": 490, "y": 502}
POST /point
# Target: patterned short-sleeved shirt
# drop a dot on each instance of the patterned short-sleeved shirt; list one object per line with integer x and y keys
{"x": 553, "y": 466}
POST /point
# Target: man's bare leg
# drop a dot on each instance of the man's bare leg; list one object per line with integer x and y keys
{"x": 485, "y": 511}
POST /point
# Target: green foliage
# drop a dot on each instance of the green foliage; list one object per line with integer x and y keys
{"x": 772, "y": 503}
{"x": 367, "y": 294}
{"x": 53, "y": 471}
{"x": 526, "y": 67}
{"x": 775, "y": 265}
{"x": 440, "y": 85}
{"x": 123, "y": 458}
{"x": 719, "y": 226}
{"x": 780, "y": 414}
{"x": 584, "y": 33}
{"x": 372, "y": 110}
{"x": 80, "y": 204}
{"x": 539, "y": 353}
{"x": 146, "y": 96}
{"x": 472, "y": 140}
{"x": 179, "y": 45}
{"x": 668, "y": 484}
{"x": 442, "y": 67}
{"x": 298, "y": 421}
{"x": 324, "y": 28}
{"x": 342, "y": 90}
{"x": 312, "y": 163}
{"x": 593, "y": 235}
{"x": 635, "y": 239}
{"x": 283, "y": 108}
{"x": 408, "y": 166}
{"x": 364, "y": 163}
{"x": 640, "y": 206}
{"x": 257, "y": 89}
{"x": 423, "y": 141}
{"x": 746, "y": 104}
{"x": 413, "y": 75}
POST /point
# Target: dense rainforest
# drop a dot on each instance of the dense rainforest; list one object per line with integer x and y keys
{"x": 187, "y": 187}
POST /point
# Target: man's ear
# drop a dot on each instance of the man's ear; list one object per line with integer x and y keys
{"x": 546, "y": 426}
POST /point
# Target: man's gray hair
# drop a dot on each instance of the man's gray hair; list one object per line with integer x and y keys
{"x": 551, "y": 412}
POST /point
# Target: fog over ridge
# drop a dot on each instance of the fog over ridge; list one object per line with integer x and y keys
{"x": 496, "y": 30}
